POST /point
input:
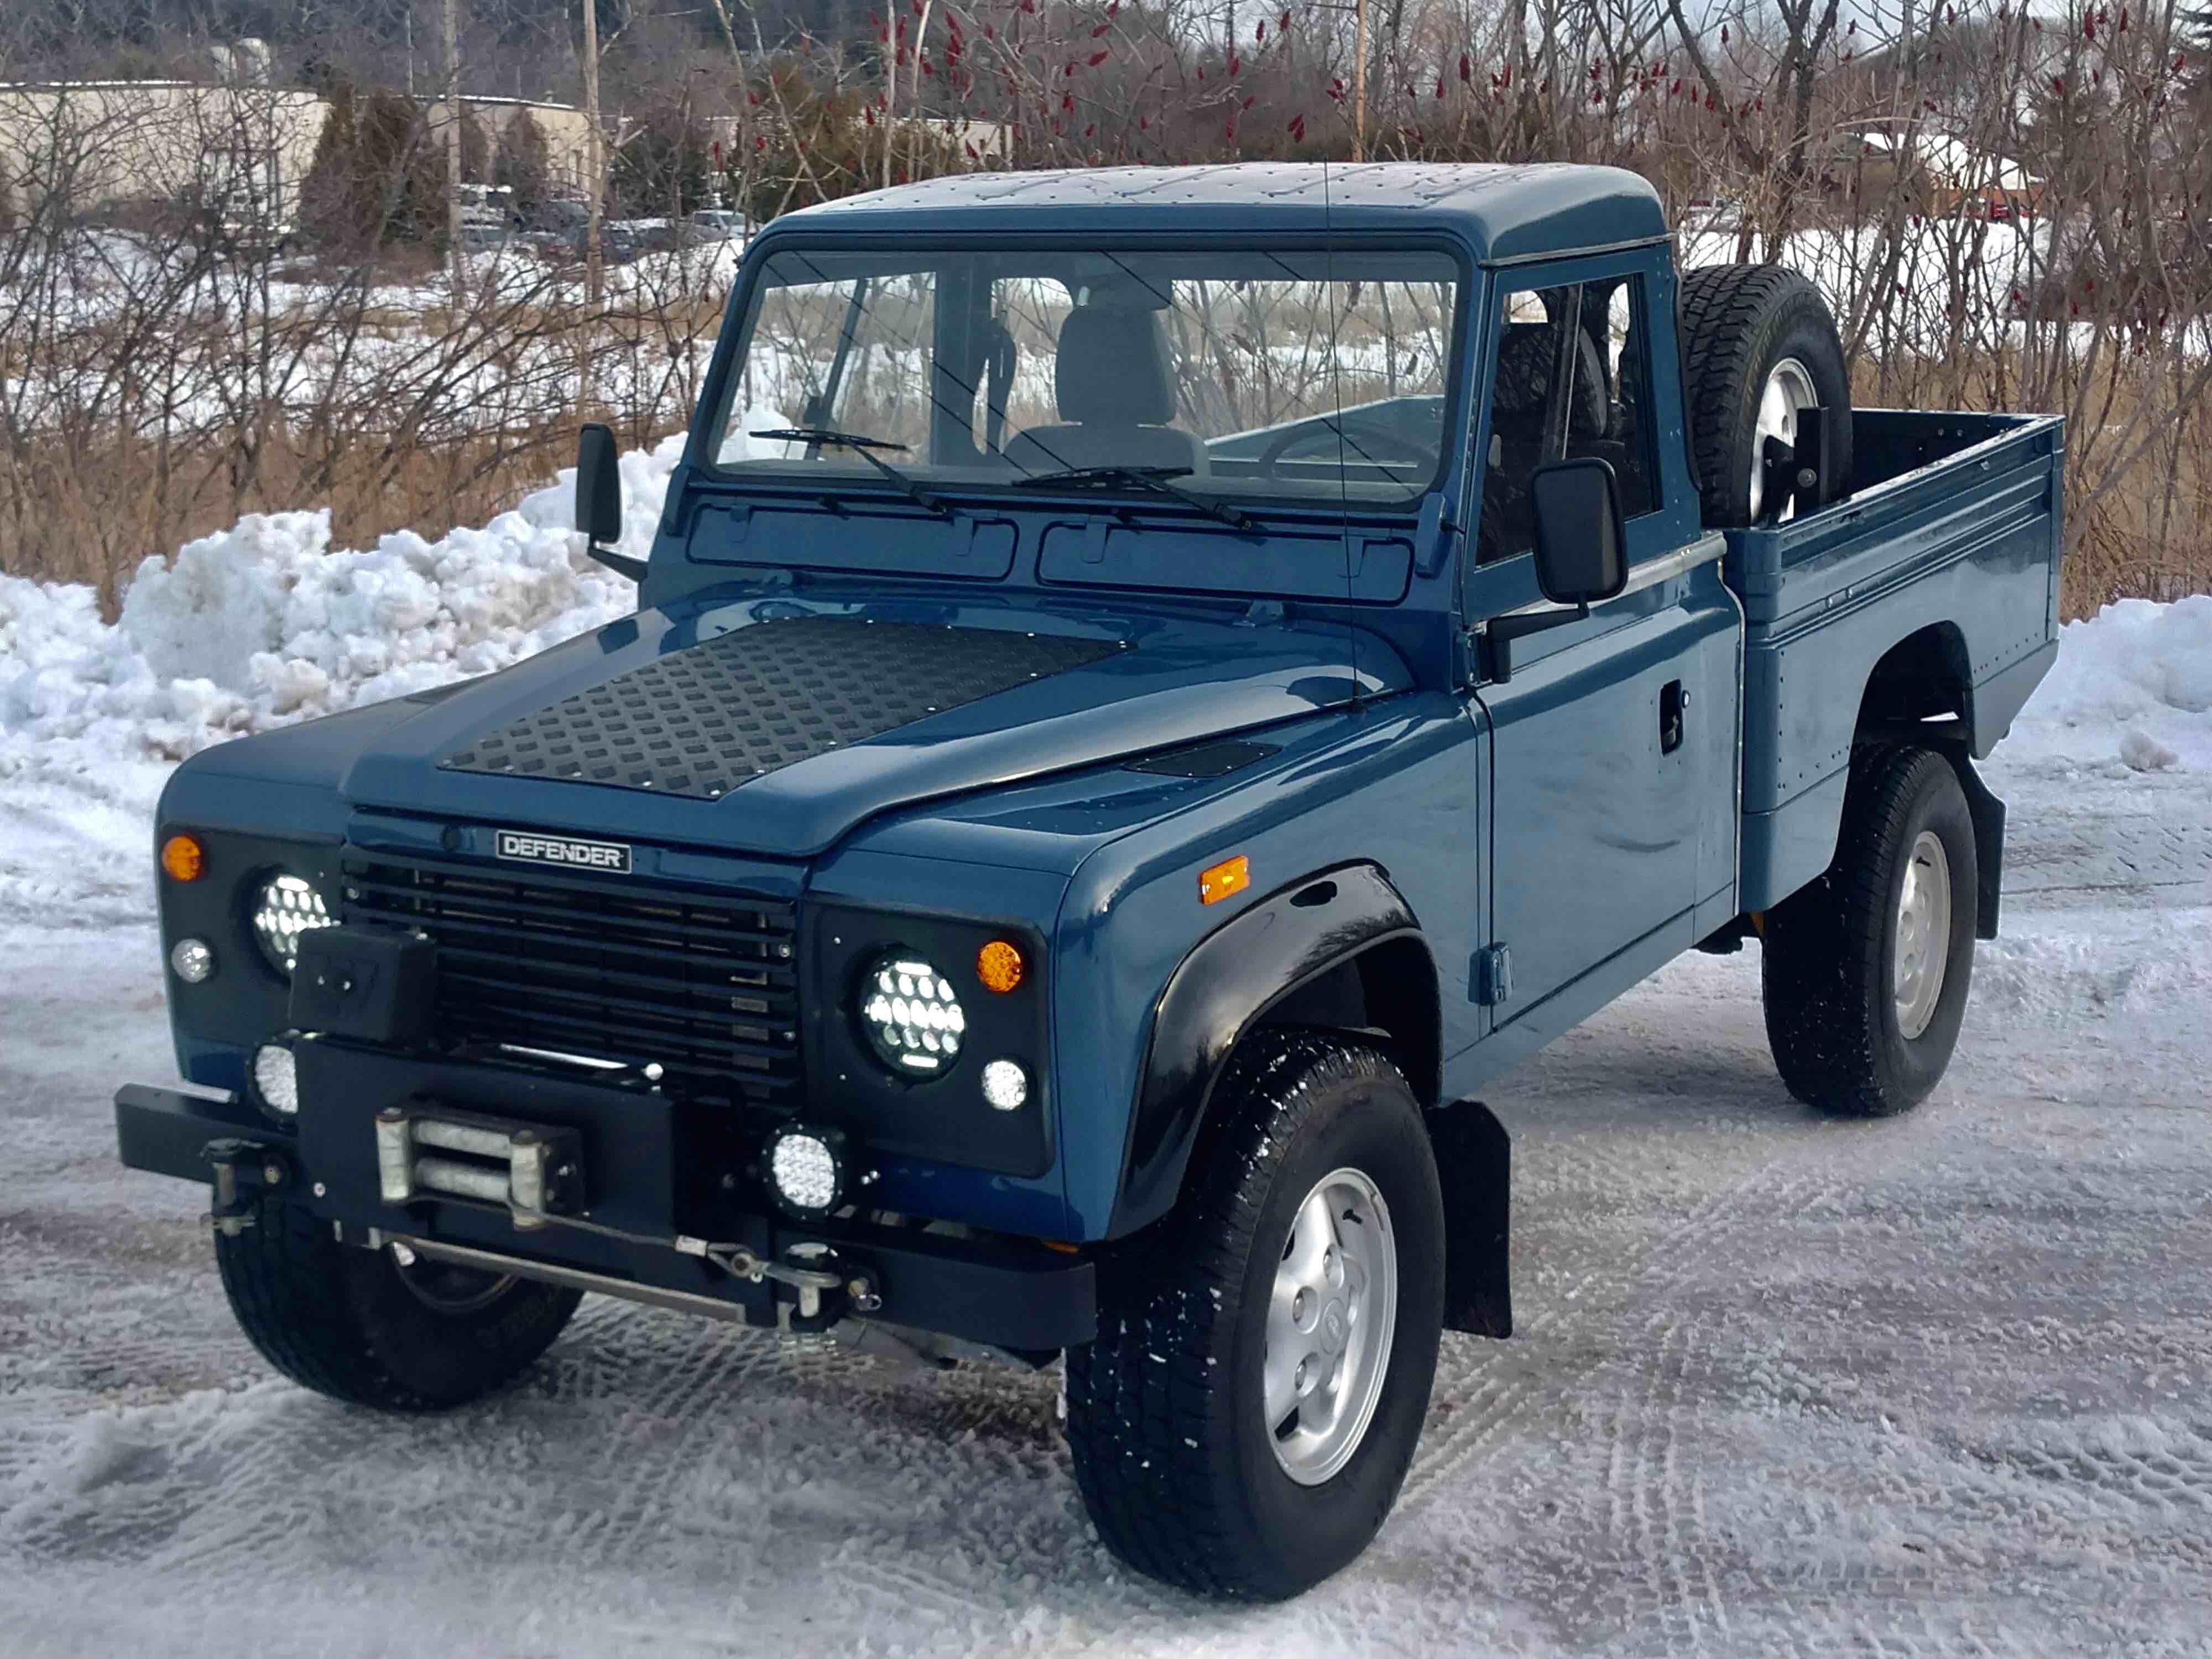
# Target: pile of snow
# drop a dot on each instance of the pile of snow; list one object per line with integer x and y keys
{"x": 2131, "y": 692}
{"x": 266, "y": 624}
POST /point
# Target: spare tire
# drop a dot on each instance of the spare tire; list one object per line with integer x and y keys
{"x": 1759, "y": 344}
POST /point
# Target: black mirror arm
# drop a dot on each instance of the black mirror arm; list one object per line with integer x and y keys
{"x": 621, "y": 564}
{"x": 1504, "y": 630}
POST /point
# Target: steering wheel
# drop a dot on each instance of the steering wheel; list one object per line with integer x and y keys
{"x": 1361, "y": 438}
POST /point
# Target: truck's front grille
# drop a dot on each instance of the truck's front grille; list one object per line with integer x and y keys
{"x": 705, "y": 986}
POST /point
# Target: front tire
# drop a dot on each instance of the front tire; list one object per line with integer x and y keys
{"x": 359, "y": 1326}
{"x": 1866, "y": 971}
{"x": 1242, "y": 1422}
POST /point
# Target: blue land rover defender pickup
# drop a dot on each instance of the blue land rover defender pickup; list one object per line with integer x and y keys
{"x": 1149, "y": 688}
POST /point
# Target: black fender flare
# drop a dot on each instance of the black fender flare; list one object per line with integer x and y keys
{"x": 1223, "y": 987}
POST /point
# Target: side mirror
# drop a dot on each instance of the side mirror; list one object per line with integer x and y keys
{"x": 598, "y": 485}
{"x": 1580, "y": 546}
{"x": 599, "y": 500}
{"x": 1582, "y": 555}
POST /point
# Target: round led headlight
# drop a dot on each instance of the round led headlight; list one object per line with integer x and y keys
{"x": 806, "y": 1169}
{"x": 912, "y": 1015}
{"x": 285, "y": 907}
{"x": 276, "y": 1078}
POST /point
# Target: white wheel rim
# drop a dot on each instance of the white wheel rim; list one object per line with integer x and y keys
{"x": 1788, "y": 390}
{"x": 1922, "y": 948}
{"x": 1331, "y": 1314}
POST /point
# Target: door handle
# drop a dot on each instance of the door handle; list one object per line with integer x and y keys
{"x": 1672, "y": 700}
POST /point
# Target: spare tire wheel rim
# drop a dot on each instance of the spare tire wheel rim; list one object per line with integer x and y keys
{"x": 1921, "y": 951}
{"x": 1789, "y": 389}
{"x": 1331, "y": 1313}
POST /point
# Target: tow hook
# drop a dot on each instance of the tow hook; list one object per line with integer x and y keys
{"x": 246, "y": 1171}
{"x": 826, "y": 1287}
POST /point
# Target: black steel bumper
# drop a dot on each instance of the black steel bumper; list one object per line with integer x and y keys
{"x": 998, "y": 1292}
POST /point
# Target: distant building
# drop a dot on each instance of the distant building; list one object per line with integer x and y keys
{"x": 107, "y": 142}
{"x": 112, "y": 142}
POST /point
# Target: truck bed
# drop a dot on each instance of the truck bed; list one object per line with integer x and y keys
{"x": 1946, "y": 552}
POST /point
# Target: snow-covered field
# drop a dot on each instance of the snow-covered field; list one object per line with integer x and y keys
{"x": 1783, "y": 1385}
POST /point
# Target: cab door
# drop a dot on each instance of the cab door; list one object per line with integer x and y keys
{"x": 1602, "y": 759}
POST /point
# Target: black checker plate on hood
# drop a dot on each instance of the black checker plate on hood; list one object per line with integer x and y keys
{"x": 702, "y": 722}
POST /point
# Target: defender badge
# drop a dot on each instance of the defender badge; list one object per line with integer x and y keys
{"x": 560, "y": 850}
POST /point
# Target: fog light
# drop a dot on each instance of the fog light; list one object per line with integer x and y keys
{"x": 806, "y": 1169}
{"x": 1005, "y": 1085}
{"x": 276, "y": 1078}
{"x": 192, "y": 960}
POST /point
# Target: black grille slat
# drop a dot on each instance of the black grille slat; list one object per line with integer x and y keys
{"x": 734, "y": 998}
{"x": 683, "y": 1022}
{"x": 707, "y": 985}
{"x": 493, "y": 898}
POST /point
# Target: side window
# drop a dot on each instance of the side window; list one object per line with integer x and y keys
{"x": 1570, "y": 381}
{"x": 1630, "y": 447}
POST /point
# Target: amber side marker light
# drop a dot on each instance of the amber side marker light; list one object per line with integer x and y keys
{"x": 182, "y": 859}
{"x": 1000, "y": 966}
{"x": 1228, "y": 877}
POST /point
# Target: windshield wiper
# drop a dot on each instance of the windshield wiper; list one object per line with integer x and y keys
{"x": 816, "y": 437}
{"x": 1154, "y": 478}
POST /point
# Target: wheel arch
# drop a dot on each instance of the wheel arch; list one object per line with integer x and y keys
{"x": 1339, "y": 948}
{"x": 1921, "y": 691}
{"x": 1925, "y": 676}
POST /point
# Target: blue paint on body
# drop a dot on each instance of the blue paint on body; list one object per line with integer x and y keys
{"x": 1542, "y": 813}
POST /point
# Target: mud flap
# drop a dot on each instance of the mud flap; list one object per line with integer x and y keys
{"x": 1988, "y": 815}
{"x": 1475, "y": 1163}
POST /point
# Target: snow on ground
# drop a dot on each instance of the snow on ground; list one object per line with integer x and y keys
{"x": 1782, "y": 1385}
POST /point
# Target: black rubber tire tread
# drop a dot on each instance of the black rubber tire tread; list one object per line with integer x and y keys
{"x": 340, "y": 1321}
{"x": 1155, "y": 1411}
{"x": 1737, "y": 322}
{"x": 1825, "y": 967}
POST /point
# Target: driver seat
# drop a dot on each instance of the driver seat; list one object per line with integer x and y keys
{"x": 1116, "y": 397}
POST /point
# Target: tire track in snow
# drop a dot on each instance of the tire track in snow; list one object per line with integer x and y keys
{"x": 1712, "y": 1223}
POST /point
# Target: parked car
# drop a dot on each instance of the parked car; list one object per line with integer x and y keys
{"x": 1223, "y": 665}
{"x": 713, "y": 225}
{"x": 487, "y": 227}
{"x": 628, "y": 239}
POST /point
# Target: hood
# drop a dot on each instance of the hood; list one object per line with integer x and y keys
{"x": 769, "y": 729}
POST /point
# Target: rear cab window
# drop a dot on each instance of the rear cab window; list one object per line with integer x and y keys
{"x": 1572, "y": 379}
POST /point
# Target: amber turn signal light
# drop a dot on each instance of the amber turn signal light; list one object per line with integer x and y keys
{"x": 182, "y": 859}
{"x": 1000, "y": 966}
{"x": 1230, "y": 876}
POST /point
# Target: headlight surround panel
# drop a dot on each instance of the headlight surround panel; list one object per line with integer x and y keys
{"x": 939, "y": 1115}
{"x": 247, "y": 998}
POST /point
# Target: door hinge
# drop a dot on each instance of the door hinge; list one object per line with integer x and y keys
{"x": 1493, "y": 975}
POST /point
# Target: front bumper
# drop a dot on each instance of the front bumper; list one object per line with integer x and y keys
{"x": 994, "y": 1291}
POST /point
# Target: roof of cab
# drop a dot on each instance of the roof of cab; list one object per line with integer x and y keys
{"x": 1502, "y": 212}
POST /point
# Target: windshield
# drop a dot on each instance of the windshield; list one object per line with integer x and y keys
{"x": 1307, "y": 377}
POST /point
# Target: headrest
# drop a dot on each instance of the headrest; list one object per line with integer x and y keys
{"x": 1112, "y": 369}
{"x": 1524, "y": 379}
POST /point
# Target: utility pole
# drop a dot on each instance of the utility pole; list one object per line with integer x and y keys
{"x": 454, "y": 150}
{"x": 595, "y": 162}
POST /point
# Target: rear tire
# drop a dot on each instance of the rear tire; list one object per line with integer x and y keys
{"x": 1755, "y": 337}
{"x": 357, "y": 1326}
{"x": 1866, "y": 971}
{"x": 1187, "y": 1471}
